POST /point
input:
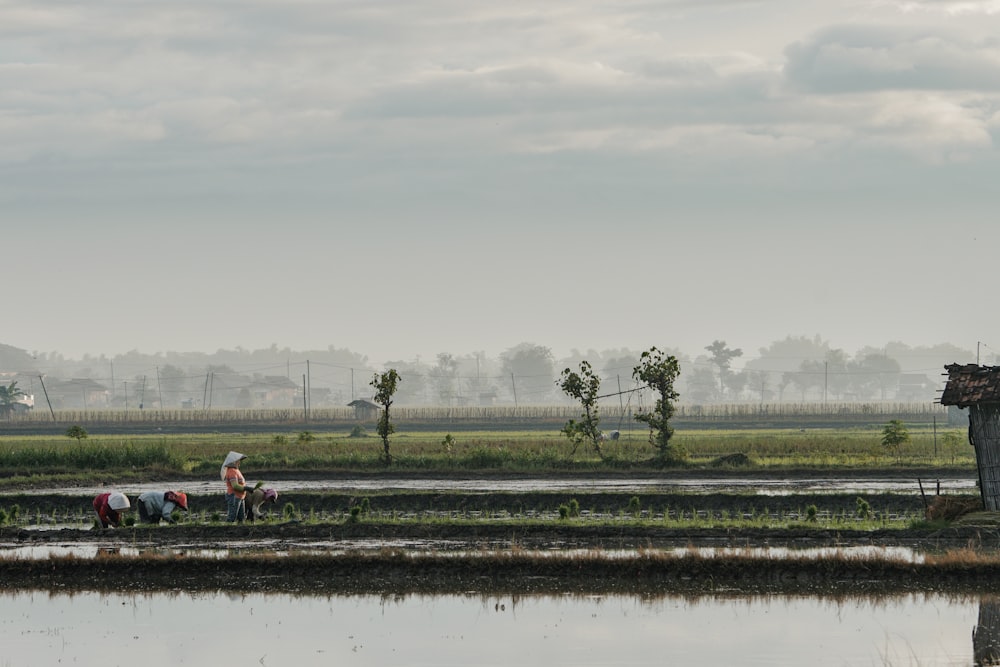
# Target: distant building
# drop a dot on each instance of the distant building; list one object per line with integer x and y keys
{"x": 365, "y": 410}
{"x": 77, "y": 394}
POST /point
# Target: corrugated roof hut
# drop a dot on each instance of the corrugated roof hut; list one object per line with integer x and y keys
{"x": 978, "y": 388}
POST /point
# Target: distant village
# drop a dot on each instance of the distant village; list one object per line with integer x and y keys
{"x": 796, "y": 369}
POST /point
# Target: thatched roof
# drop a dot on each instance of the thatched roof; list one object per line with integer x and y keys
{"x": 971, "y": 384}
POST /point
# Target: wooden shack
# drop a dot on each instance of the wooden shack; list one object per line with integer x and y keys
{"x": 978, "y": 388}
{"x": 365, "y": 410}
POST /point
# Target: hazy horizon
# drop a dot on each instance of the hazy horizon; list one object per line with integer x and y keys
{"x": 406, "y": 179}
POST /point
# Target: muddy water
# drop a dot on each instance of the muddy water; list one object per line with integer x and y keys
{"x": 617, "y": 485}
{"x": 38, "y": 628}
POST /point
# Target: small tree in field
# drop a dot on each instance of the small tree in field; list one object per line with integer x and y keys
{"x": 894, "y": 436}
{"x": 583, "y": 386}
{"x": 659, "y": 371}
{"x": 77, "y": 432}
{"x": 385, "y": 385}
{"x": 952, "y": 441}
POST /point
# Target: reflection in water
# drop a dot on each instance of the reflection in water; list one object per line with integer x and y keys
{"x": 986, "y": 634}
{"x": 170, "y": 629}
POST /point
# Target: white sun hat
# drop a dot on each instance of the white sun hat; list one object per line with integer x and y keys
{"x": 232, "y": 458}
{"x": 118, "y": 501}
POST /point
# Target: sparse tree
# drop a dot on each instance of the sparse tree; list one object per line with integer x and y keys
{"x": 721, "y": 357}
{"x": 894, "y": 436}
{"x": 659, "y": 372}
{"x": 952, "y": 441}
{"x": 77, "y": 432}
{"x": 583, "y": 387}
{"x": 8, "y": 397}
{"x": 385, "y": 385}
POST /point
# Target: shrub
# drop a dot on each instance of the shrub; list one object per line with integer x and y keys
{"x": 358, "y": 431}
{"x": 306, "y": 437}
{"x": 77, "y": 432}
{"x": 864, "y": 508}
{"x": 563, "y": 512}
{"x": 574, "y": 507}
{"x": 279, "y": 440}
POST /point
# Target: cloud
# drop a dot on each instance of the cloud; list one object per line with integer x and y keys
{"x": 873, "y": 58}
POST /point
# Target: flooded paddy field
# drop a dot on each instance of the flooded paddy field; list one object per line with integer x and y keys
{"x": 485, "y": 571}
{"x": 169, "y": 628}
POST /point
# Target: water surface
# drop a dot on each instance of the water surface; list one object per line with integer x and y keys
{"x": 38, "y": 628}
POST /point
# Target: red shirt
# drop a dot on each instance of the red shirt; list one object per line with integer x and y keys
{"x": 107, "y": 515}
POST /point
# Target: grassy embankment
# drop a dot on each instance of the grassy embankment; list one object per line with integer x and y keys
{"x": 529, "y": 452}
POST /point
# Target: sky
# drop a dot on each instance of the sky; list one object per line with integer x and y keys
{"x": 408, "y": 178}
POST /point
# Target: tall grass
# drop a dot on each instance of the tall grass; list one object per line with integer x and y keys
{"x": 507, "y": 451}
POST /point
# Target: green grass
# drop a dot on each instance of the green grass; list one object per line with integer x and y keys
{"x": 501, "y": 451}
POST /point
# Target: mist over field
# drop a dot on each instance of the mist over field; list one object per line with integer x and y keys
{"x": 792, "y": 369}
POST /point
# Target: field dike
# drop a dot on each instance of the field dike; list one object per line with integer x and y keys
{"x": 510, "y": 571}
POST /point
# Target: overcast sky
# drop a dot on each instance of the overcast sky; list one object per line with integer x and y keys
{"x": 408, "y": 178}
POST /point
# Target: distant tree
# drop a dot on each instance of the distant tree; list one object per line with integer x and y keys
{"x": 736, "y": 383}
{"x": 701, "y": 386}
{"x": 385, "y": 385}
{"x": 659, "y": 372}
{"x": 77, "y": 432}
{"x": 173, "y": 385}
{"x": 531, "y": 368}
{"x": 444, "y": 375}
{"x": 873, "y": 375}
{"x": 894, "y": 436}
{"x": 836, "y": 368}
{"x": 786, "y": 355}
{"x": 811, "y": 376}
{"x": 418, "y": 385}
{"x": 722, "y": 356}
{"x": 583, "y": 387}
{"x": 8, "y": 397}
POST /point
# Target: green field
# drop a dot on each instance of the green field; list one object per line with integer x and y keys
{"x": 474, "y": 451}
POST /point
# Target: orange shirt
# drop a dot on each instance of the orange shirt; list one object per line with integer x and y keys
{"x": 234, "y": 475}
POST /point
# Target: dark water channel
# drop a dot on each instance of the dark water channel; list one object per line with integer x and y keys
{"x": 170, "y": 629}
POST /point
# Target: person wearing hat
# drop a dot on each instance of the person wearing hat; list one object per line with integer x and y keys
{"x": 156, "y": 506}
{"x": 236, "y": 487}
{"x": 109, "y": 508}
{"x": 257, "y": 500}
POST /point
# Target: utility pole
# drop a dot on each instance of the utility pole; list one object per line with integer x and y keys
{"x": 159, "y": 391}
{"x": 305, "y": 406}
{"x": 513, "y": 387}
{"x": 46, "y": 392}
{"x": 826, "y": 378}
{"x": 308, "y": 388}
{"x": 142, "y": 393}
